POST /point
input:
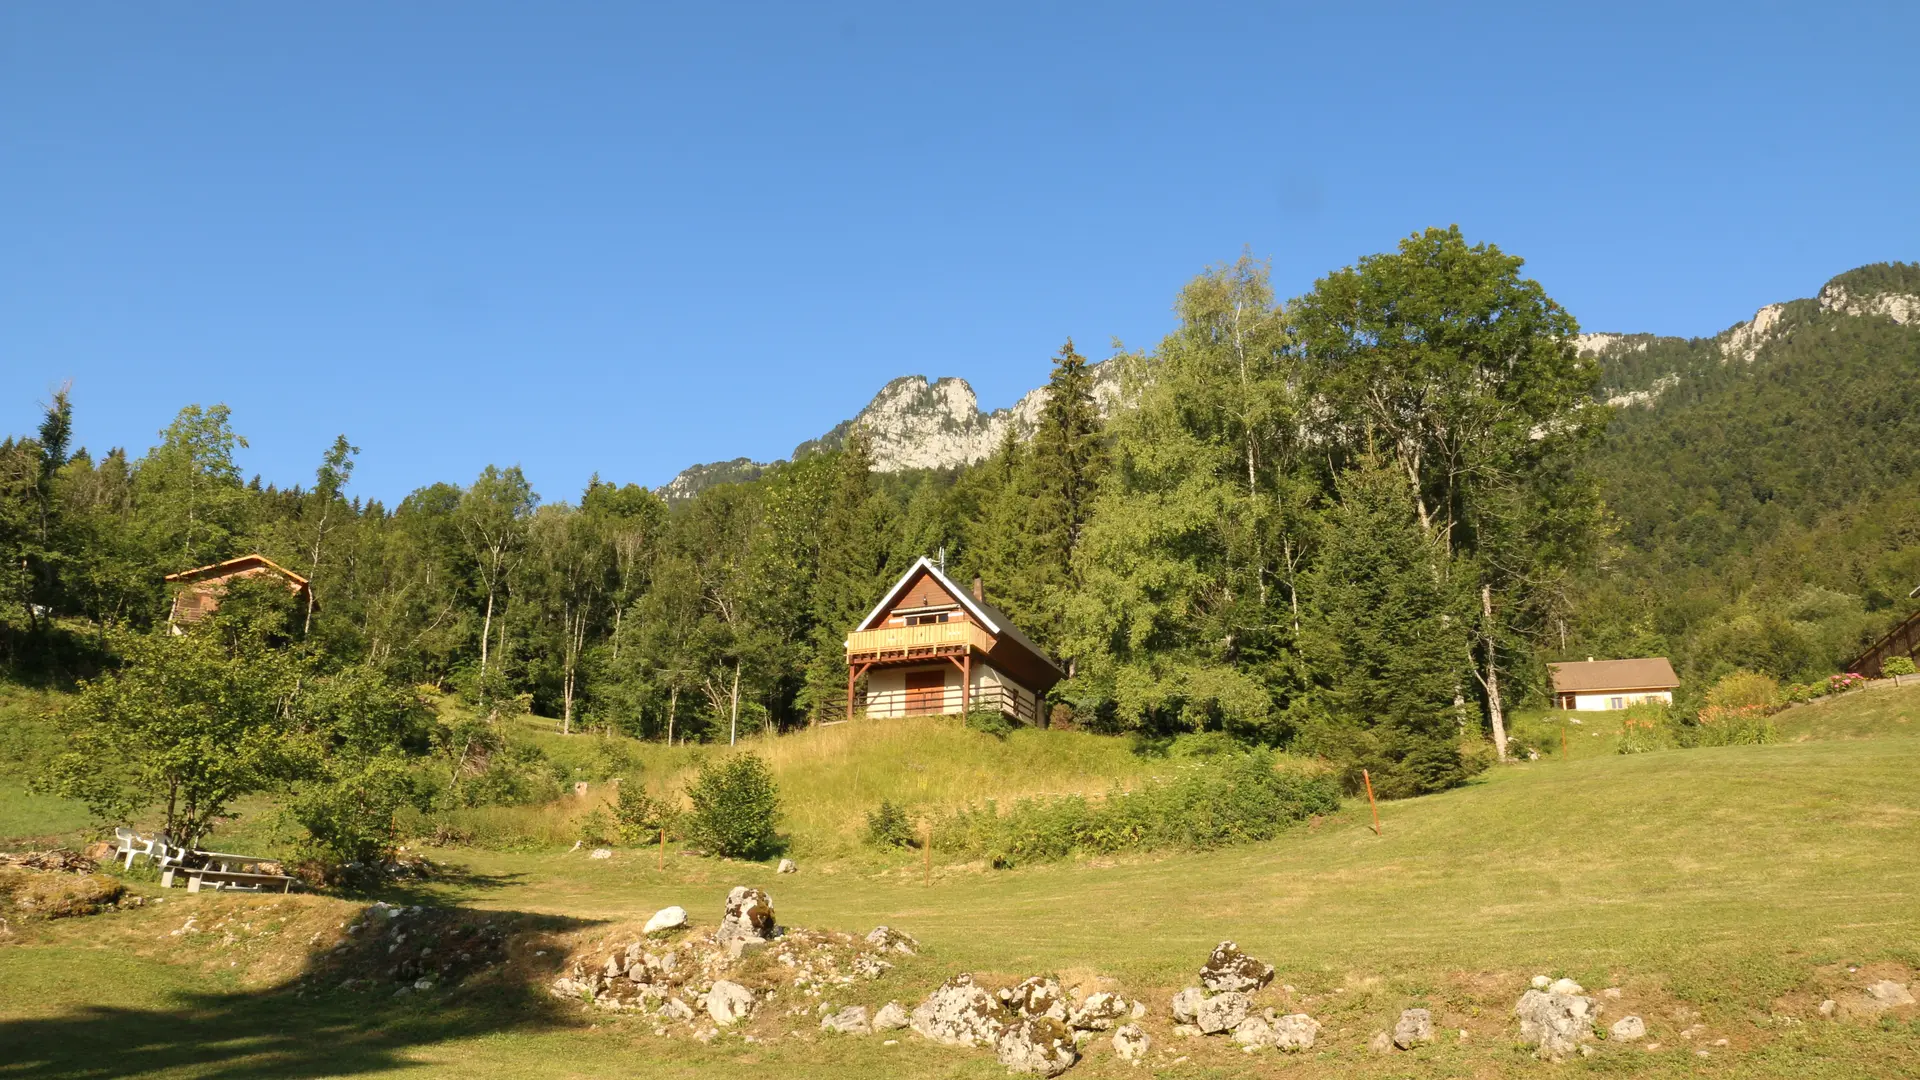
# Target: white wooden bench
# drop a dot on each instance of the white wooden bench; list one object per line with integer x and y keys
{"x": 235, "y": 880}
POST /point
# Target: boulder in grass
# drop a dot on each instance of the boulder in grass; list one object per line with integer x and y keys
{"x": 667, "y": 918}
{"x": 1295, "y": 1031}
{"x": 891, "y": 1017}
{"x": 1555, "y": 1024}
{"x": 1629, "y": 1029}
{"x": 1100, "y": 1012}
{"x": 1221, "y": 1012}
{"x": 1887, "y": 994}
{"x": 1414, "y": 1028}
{"x": 787, "y": 866}
{"x": 1230, "y": 969}
{"x": 748, "y": 914}
{"x": 887, "y": 939}
{"x": 728, "y": 1003}
{"x": 1040, "y": 1045}
{"x": 1186, "y": 1004}
{"x": 851, "y": 1020}
{"x": 1035, "y": 997}
{"x": 960, "y": 1013}
{"x": 1131, "y": 1042}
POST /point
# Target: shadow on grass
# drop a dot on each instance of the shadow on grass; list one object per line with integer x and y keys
{"x": 449, "y": 884}
{"x": 349, "y": 1012}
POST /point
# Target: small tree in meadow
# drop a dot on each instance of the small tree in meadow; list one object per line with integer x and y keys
{"x": 735, "y": 807}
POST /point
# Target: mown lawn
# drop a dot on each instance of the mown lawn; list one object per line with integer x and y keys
{"x": 1731, "y": 888}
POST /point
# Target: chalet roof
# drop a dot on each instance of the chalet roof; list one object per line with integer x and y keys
{"x": 1595, "y": 676}
{"x": 995, "y": 620}
{"x": 235, "y": 566}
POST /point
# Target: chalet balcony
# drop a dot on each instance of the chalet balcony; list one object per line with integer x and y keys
{"x": 893, "y": 643}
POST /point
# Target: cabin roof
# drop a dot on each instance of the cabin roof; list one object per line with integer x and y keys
{"x": 992, "y": 618}
{"x": 1593, "y": 676}
{"x": 235, "y": 566}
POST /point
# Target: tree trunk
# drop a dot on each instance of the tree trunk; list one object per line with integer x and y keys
{"x": 733, "y": 725}
{"x": 486, "y": 632}
{"x": 1494, "y": 709}
{"x": 673, "y": 701}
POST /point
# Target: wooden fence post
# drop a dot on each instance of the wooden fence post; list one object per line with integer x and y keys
{"x": 1371, "y": 805}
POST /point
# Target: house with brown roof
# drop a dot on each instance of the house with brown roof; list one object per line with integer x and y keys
{"x": 930, "y": 647}
{"x": 1600, "y": 685}
{"x": 200, "y": 589}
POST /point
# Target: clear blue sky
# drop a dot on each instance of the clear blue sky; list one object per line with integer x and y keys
{"x": 628, "y": 237}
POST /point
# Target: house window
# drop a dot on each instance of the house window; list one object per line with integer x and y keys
{"x": 922, "y": 620}
{"x": 1616, "y": 703}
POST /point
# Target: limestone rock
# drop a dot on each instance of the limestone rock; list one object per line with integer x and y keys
{"x": 1629, "y": 1029}
{"x": 1381, "y": 1043}
{"x": 1230, "y": 969}
{"x": 1555, "y": 1024}
{"x": 1037, "y": 1044}
{"x": 887, "y": 939}
{"x": 1414, "y": 1028}
{"x": 728, "y": 1003}
{"x": 1131, "y": 1042}
{"x": 851, "y": 1020}
{"x": 787, "y": 866}
{"x": 960, "y": 1013}
{"x": 1221, "y": 1012}
{"x": 748, "y": 914}
{"x": 667, "y": 918}
{"x": 1100, "y": 1012}
{"x": 1186, "y": 1004}
{"x": 1541, "y": 982}
{"x": 675, "y": 1009}
{"x": 891, "y": 1017}
{"x": 1887, "y": 994}
{"x": 1295, "y": 1031}
{"x": 1829, "y": 1007}
{"x": 1035, "y": 997}
{"x": 1565, "y": 986}
{"x": 1253, "y": 1033}
{"x": 600, "y": 853}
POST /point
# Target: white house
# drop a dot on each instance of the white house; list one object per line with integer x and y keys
{"x": 1600, "y": 685}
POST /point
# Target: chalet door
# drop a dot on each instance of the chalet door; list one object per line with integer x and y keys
{"x": 926, "y": 692}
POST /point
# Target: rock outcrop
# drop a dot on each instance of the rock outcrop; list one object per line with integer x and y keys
{"x": 1555, "y": 1024}
{"x": 1230, "y": 969}
{"x": 960, "y": 1013}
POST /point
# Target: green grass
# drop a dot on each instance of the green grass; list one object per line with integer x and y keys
{"x": 1730, "y": 887}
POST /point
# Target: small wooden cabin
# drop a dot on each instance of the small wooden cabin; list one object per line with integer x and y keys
{"x": 1602, "y": 685}
{"x": 200, "y": 589}
{"x": 930, "y": 647}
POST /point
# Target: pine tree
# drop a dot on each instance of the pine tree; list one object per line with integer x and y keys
{"x": 1057, "y": 483}
{"x": 1385, "y": 639}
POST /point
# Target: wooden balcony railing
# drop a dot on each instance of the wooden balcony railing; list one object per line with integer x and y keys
{"x": 905, "y": 642}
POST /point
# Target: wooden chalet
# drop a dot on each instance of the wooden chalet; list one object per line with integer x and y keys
{"x": 930, "y": 647}
{"x": 201, "y": 588}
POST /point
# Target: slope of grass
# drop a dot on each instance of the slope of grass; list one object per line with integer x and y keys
{"x": 1730, "y": 888}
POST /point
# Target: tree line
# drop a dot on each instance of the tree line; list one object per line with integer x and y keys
{"x": 1347, "y": 522}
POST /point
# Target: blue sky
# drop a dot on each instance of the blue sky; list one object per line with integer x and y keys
{"x": 624, "y": 238}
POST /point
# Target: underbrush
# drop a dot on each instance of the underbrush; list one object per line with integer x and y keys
{"x": 1202, "y": 804}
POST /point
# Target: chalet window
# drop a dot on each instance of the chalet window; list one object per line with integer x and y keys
{"x": 1616, "y": 703}
{"x": 922, "y": 620}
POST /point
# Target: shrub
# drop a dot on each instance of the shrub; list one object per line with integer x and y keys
{"x": 1744, "y": 690}
{"x": 1840, "y": 684}
{"x": 597, "y": 828}
{"x": 640, "y": 816}
{"x": 735, "y": 807}
{"x": 1646, "y": 726}
{"x": 350, "y": 812}
{"x": 889, "y": 827}
{"x": 991, "y": 722}
{"x": 1209, "y": 803}
{"x": 1899, "y": 665}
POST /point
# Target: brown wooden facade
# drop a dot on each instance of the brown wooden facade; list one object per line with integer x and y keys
{"x": 927, "y": 630}
{"x": 200, "y": 589}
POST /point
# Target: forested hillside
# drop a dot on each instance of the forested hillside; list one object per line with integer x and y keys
{"x": 1766, "y": 511}
{"x": 1359, "y": 523}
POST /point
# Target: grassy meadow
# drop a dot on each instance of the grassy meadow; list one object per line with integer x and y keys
{"x": 1725, "y": 892}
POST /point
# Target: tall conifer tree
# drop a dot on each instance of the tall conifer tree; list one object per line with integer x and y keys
{"x": 852, "y": 571}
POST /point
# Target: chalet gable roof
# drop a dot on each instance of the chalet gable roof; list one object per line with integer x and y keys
{"x": 994, "y": 623}
{"x": 1593, "y": 676}
{"x": 234, "y": 566}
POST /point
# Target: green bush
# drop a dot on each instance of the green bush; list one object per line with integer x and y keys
{"x": 888, "y": 826}
{"x": 735, "y": 807}
{"x": 991, "y": 722}
{"x": 350, "y": 812}
{"x": 1209, "y": 803}
{"x": 598, "y": 829}
{"x": 1898, "y": 665}
{"x": 1744, "y": 690}
{"x": 640, "y": 816}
